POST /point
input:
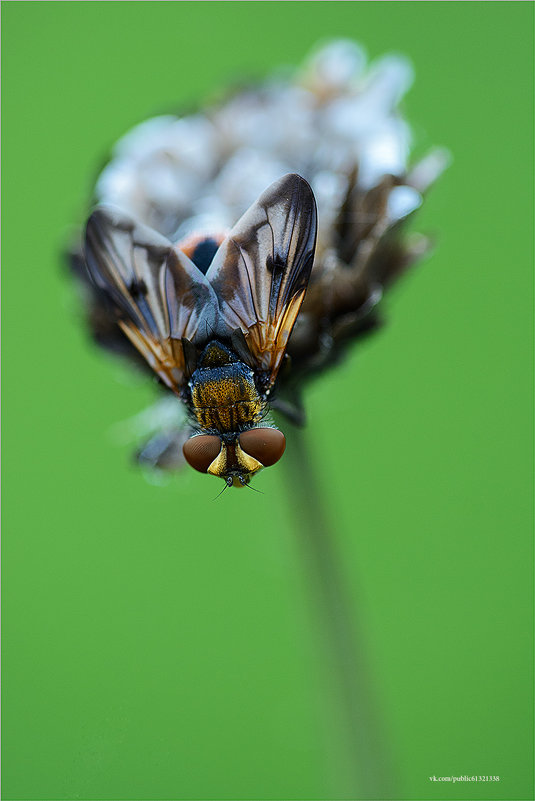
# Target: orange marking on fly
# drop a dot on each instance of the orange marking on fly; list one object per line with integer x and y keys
{"x": 201, "y": 247}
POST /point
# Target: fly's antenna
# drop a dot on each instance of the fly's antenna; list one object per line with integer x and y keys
{"x": 221, "y": 493}
{"x": 254, "y": 489}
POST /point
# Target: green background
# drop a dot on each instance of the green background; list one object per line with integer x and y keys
{"x": 157, "y": 645}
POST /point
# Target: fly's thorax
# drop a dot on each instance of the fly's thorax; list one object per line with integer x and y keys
{"x": 224, "y": 396}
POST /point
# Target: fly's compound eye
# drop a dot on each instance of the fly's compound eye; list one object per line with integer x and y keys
{"x": 264, "y": 444}
{"x": 201, "y": 451}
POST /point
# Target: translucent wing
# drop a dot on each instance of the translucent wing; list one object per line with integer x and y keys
{"x": 158, "y": 295}
{"x": 261, "y": 270}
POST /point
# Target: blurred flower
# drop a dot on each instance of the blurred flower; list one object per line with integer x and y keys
{"x": 336, "y": 122}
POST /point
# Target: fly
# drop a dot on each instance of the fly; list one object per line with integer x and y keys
{"x": 212, "y": 317}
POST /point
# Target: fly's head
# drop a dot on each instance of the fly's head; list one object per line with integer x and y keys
{"x": 235, "y": 459}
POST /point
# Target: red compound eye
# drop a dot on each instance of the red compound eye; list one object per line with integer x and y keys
{"x": 201, "y": 451}
{"x": 264, "y": 444}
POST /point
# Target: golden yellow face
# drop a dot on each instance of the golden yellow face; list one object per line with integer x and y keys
{"x": 235, "y": 461}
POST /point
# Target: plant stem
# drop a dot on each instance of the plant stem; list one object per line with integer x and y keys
{"x": 368, "y": 754}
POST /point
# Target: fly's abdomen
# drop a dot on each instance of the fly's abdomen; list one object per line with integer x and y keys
{"x": 225, "y": 399}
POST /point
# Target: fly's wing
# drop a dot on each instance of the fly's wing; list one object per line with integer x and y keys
{"x": 156, "y": 293}
{"x": 261, "y": 270}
